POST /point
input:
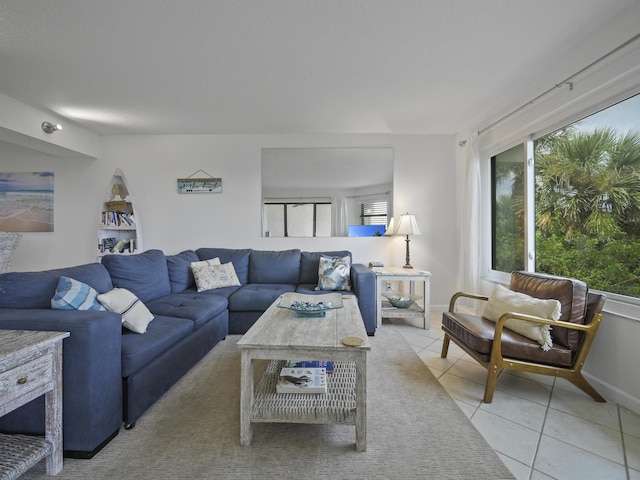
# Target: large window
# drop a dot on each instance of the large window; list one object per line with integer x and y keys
{"x": 587, "y": 202}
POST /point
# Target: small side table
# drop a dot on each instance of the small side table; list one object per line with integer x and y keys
{"x": 393, "y": 274}
{"x": 30, "y": 366}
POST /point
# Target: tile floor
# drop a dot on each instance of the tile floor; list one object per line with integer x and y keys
{"x": 541, "y": 427}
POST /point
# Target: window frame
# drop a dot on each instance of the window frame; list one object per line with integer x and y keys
{"x": 286, "y": 204}
{"x": 363, "y": 203}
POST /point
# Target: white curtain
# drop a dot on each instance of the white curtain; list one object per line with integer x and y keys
{"x": 339, "y": 219}
{"x": 470, "y": 233}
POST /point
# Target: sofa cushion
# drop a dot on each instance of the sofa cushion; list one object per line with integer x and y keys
{"x": 135, "y": 315}
{"x": 309, "y": 262}
{"x": 145, "y": 274}
{"x": 239, "y": 258}
{"x": 334, "y": 273}
{"x": 225, "y": 292}
{"x": 312, "y": 289}
{"x": 162, "y": 333}
{"x": 571, "y": 293}
{"x": 189, "y": 305}
{"x": 74, "y": 295}
{"x": 179, "y": 267}
{"x": 257, "y": 296}
{"x": 35, "y": 289}
{"x": 269, "y": 266}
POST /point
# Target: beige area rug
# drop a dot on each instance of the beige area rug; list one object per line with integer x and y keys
{"x": 415, "y": 430}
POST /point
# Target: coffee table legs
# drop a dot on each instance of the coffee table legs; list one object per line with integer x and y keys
{"x": 246, "y": 398}
{"x": 361, "y": 404}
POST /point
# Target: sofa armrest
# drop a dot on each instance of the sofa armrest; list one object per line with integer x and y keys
{"x": 363, "y": 282}
{"x": 92, "y": 379}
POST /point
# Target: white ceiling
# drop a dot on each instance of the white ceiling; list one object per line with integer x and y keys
{"x": 294, "y": 66}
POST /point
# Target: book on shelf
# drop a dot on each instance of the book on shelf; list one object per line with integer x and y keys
{"x": 117, "y": 219}
{"x": 327, "y": 365}
{"x": 302, "y": 380}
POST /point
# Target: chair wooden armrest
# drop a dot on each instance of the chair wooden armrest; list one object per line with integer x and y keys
{"x": 458, "y": 295}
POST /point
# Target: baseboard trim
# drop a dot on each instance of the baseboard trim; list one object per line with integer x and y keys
{"x": 614, "y": 394}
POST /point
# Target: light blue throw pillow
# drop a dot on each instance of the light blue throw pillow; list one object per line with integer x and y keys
{"x": 334, "y": 273}
{"x": 74, "y": 295}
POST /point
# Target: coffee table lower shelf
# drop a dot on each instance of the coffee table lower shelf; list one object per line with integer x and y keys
{"x": 336, "y": 407}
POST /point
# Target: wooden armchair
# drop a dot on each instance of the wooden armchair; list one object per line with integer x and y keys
{"x": 498, "y": 348}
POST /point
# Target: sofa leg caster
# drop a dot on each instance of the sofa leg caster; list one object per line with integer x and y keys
{"x": 129, "y": 426}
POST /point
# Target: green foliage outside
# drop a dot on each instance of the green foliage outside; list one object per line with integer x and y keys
{"x": 588, "y": 208}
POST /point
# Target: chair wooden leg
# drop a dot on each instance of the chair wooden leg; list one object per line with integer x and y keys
{"x": 579, "y": 381}
{"x": 492, "y": 378}
{"x": 445, "y": 346}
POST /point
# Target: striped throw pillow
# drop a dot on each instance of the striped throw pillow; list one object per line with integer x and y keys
{"x": 74, "y": 295}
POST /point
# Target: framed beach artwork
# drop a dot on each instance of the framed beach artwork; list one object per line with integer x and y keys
{"x": 26, "y": 202}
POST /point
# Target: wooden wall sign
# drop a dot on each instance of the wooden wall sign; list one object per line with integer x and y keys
{"x": 192, "y": 184}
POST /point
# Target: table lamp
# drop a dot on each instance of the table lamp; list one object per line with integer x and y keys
{"x": 407, "y": 225}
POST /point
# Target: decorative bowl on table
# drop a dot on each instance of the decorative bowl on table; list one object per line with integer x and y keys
{"x": 401, "y": 300}
{"x": 310, "y": 305}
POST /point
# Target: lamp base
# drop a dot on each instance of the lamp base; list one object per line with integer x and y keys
{"x": 408, "y": 264}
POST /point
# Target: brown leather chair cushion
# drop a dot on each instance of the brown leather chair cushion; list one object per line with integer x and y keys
{"x": 476, "y": 333}
{"x": 571, "y": 293}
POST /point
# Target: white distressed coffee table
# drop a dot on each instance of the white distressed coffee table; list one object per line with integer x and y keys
{"x": 280, "y": 335}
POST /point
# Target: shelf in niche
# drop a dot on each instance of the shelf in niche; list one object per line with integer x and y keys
{"x": 119, "y": 222}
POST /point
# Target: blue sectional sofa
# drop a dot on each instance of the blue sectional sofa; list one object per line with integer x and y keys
{"x": 112, "y": 375}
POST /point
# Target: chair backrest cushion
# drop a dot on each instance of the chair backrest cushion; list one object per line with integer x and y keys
{"x": 571, "y": 293}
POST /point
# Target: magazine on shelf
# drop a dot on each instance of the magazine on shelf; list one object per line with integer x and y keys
{"x": 302, "y": 380}
{"x": 327, "y": 365}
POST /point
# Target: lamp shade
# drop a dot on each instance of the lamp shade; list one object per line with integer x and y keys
{"x": 390, "y": 229}
{"x": 407, "y": 225}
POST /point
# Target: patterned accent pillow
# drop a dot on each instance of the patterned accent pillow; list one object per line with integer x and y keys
{"x": 334, "y": 273}
{"x": 74, "y": 295}
{"x": 212, "y": 276}
{"x": 135, "y": 314}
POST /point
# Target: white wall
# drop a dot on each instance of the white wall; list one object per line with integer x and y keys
{"x": 424, "y": 184}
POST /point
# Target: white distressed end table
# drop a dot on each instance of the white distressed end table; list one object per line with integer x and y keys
{"x": 420, "y": 309}
{"x": 280, "y": 335}
{"x": 30, "y": 366}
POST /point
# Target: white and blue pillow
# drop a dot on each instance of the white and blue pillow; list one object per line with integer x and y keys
{"x": 210, "y": 274}
{"x": 135, "y": 314}
{"x": 74, "y": 295}
{"x": 334, "y": 273}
